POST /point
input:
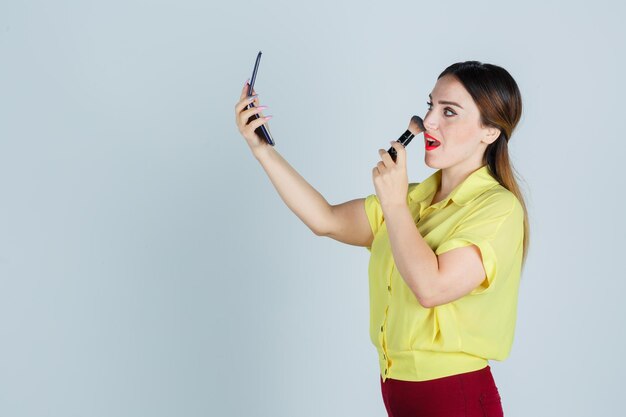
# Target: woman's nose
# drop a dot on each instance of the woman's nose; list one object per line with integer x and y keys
{"x": 430, "y": 123}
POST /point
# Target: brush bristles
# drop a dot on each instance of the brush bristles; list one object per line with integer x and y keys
{"x": 416, "y": 126}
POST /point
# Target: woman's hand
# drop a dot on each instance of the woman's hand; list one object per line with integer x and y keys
{"x": 241, "y": 118}
{"x": 390, "y": 178}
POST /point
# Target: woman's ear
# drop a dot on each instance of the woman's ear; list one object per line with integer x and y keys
{"x": 492, "y": 134}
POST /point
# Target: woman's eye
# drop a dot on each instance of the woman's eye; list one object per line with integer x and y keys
{"x": 445, "y": 110}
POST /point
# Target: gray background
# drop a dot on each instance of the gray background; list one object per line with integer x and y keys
{"x": 149, "y": 268}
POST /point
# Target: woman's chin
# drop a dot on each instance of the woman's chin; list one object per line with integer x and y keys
{"x": 431, "y": 164}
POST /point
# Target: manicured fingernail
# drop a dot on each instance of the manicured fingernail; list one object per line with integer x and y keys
{"x": 251, "y": 98}
{"x": 248, "y": 81}
{"x": 268, "y": 117}
{"x": 262, "y": 107}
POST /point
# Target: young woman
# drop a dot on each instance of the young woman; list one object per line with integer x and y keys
{"x": 446, "y": 254}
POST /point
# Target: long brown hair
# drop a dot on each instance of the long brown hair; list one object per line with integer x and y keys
{"x": 499, "y": 100}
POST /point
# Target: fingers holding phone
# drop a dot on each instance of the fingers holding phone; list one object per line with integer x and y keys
{"x": 262, "y": 130}
{"x": 245, "y": 110}
{"x": 244, "y": 90}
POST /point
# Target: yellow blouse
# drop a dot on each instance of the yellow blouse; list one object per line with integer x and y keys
{"x": 415, "y": 343}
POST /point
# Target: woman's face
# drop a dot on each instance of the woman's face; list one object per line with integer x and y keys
{"x": 454, "y": 120}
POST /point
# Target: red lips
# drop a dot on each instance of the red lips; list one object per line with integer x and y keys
{"x": 430, "y": 145}
{"x": 427, "y": 136}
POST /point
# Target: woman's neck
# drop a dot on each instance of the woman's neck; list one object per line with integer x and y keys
{"x": 452, "y": 176}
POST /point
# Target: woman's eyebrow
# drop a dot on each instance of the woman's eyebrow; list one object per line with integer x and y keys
{"x": 446, "y": 102}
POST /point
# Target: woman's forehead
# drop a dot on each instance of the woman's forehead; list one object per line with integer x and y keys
{"x": 449, "y": 88}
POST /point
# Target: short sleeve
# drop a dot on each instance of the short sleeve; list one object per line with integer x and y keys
{"x": 374, "y": 213}
{"x": 496, "y": 228}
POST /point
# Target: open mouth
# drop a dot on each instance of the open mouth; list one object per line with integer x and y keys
{"x": 431, "y": 143}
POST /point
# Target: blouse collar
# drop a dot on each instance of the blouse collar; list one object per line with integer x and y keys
{"x": 474, "y": 185}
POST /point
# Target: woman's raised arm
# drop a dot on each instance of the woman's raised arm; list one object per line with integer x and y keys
{"x": 345, "y": 222}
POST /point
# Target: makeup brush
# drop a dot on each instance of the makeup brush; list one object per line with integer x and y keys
{"x": 416, "y": 126}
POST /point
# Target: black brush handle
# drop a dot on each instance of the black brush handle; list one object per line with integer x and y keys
{"x": 404, "y": 140}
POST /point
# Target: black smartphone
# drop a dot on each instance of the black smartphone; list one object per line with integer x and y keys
{"x": 263, "y": 130}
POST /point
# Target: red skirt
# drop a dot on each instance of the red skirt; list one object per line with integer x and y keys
{"x": 468, "y": 394}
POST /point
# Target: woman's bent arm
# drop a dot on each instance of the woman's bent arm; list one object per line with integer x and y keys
{"x": 346, "y": 222}
{"x": 350, "y": 225}
{"x": 301, "y": 198}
